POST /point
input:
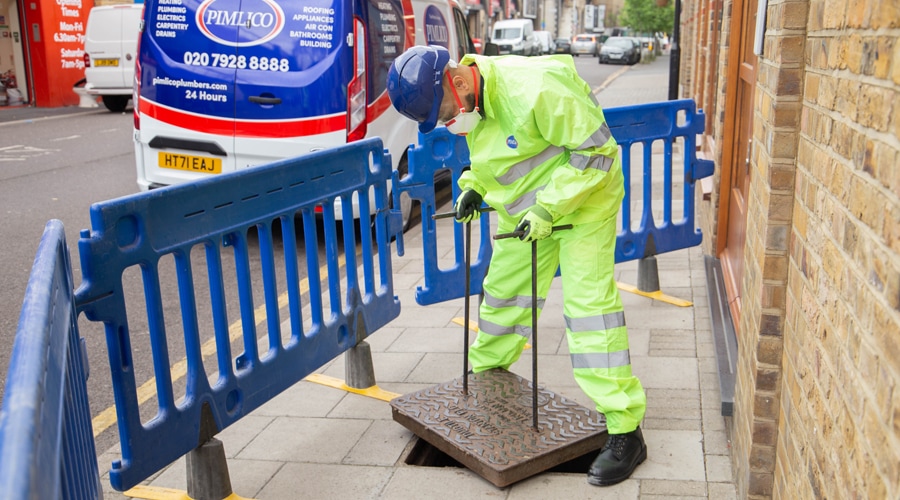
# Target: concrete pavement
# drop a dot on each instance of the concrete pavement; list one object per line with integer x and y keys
{"x": 315, "y": 441}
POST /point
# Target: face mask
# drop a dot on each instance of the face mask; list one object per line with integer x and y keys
{"x": 464, "y": 122}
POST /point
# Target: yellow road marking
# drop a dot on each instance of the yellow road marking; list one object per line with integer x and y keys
{"x": 106, "y": 418}
{"x": 159, "y": 493}
{"x": 657, "y": 295}
{"x": 372, "y": 392}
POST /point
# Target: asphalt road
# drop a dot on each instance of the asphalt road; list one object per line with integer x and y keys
{"x": 55, "y": 167}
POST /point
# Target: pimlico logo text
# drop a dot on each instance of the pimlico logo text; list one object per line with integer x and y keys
{"x": 240, "y": 23}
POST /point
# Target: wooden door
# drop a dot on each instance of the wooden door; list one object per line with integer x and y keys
{"x": 738, "y": 133}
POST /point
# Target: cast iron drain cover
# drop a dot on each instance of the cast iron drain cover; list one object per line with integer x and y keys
{"x": 491, "y": 430}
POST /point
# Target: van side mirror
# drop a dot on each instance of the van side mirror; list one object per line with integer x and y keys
{"x": 491, "y": 49}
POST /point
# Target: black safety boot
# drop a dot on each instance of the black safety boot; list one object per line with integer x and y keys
{"x": 621, "y": 454}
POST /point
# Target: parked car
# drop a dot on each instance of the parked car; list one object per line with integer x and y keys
{"x": 563, "y": 46}
{"x": 478, "y": 47}
{"x": 619, "y": 50}
{"x": 545, "y": 40}
{"x": 586, "y": 44}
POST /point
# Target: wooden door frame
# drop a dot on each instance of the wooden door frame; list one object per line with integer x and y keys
{"x": 730, "y": 124}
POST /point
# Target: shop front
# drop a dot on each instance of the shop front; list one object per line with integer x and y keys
{"x": 42, "y": 51}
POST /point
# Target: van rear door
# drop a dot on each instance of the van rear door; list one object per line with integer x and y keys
{"x": 188, "y": 60}
{"x": 291, "y": 87}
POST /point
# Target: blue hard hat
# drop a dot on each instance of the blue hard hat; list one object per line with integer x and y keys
{"x": 414, "y": 84}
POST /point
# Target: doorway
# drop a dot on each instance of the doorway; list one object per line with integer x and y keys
{"x": 736, "y": 150}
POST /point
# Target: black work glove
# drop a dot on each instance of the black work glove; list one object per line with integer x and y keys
{"x": 467, "y": 205}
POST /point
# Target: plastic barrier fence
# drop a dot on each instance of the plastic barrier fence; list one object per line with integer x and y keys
{"x": 438, "y": 152}
{"x": 643, "y": 125}
{"x": 192, "y": 225}
{"x": 46, "y": 441}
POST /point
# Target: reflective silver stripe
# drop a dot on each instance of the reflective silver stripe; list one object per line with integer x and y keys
{"x": 601, "y": 359}
{"x": 495, "y": 329}
{"x": 596, "y": 323}
{"x": 594, "y": 99}
{"x": 525, "y": 201}
{"x": 524, "y": 167}
{"x": 523, "y": 301}
{"x": 598, "y": 138}
{"x": 581, "y": 162}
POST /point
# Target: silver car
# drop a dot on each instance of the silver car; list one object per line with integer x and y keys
{"x": 585, "y": 44}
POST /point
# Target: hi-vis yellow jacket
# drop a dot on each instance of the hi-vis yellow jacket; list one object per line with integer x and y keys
{"x": 543, "y": 140}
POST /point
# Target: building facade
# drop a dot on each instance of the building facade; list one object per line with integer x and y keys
{"x": 803, "y": 215}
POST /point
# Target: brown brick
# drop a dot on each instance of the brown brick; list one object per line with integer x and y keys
{"x": 886, "y": 14}
{"x": 817, "y": 53}
{"x": 880, "y": 57}
{"x": 792, "y": 48}
{"x": 827, "y": 92}
{"x": 858, "y": 14}
{"x": 873, "y": 103}
{"x": 777, "y": 238}
{"x": 794, "y": 15}
{"x": 762, "y": 458}
{"x": 765, "y": 406}
{"x": 895, "y": 73}
{"x": 780, "y": 206}
{"x": 767, "y": 379}
{"x": 892, "y": 227}
{"x": 837, "y": 57}
{"x": 775, "y": 267}
{"x": 816, "y": 20}
{"x": 770, "y": 324}
{"x": 834, "y": 14}
{"x": 854, "y": 53}
{"x": 760, "y": 484}
{"x": 846, "y": 98}
{"x": 790, "y": 81}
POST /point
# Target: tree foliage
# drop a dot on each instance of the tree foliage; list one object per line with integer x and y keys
{"x": 645, "y": 16}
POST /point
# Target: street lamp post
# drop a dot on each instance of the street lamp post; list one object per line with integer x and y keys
{"x": 675, "y": 54}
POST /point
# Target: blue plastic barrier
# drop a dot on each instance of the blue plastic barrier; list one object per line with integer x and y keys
{"x": 46, "y": 441}
{"x": 643, "y": 123}
{"x": 218, "y": 212}
{"x": 441, "y": 150}
{"x": 648, "y": 123}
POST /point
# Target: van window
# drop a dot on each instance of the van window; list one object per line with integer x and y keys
{"x": 507, "y": 33}
{"x": 387, "y": 40}
{"x": 466, "y": 46}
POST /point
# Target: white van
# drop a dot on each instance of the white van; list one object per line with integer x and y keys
{"x": 515, "y": 36}
{"x": 110, "y": 49}
{"x": 546, "y": 42}
{"x": 224, "y": 85}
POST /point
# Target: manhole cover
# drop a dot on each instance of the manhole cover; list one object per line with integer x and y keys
{"x": 491, "y": 431}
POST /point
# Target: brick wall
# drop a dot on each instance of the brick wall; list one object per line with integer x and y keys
{"x": 817, "y": 401}
{"x": 777, "y": 106}
{"x": 839, "y": 429}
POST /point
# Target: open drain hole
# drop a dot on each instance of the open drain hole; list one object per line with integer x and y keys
{"x": 423, "y": 454}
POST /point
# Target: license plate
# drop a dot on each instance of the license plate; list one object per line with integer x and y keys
{"x": 106, "y": 62}
{"x": 191, "y": 163}
{"x": 615, "y": 56}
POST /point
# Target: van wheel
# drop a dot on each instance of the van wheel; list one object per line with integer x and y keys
{"x": 116, "y": 103}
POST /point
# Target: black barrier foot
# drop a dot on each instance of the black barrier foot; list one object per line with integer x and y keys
{"x": 207, "y": 472}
